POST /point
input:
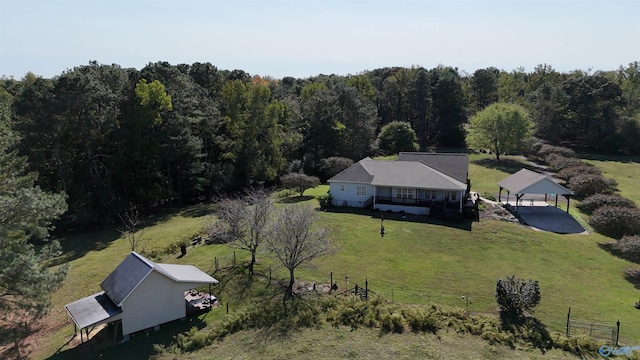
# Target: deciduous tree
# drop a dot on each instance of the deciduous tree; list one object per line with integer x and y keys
{"x": 501, "y": 128}
{"x": 397, "y": 136}
{"x": 296, "y": 239}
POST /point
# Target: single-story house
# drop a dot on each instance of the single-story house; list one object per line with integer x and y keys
{"x": 139, "y": 294}
{"x": 416, "y": 183}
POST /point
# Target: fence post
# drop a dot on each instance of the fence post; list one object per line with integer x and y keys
{"x": 617, "y": 331}
{"x": 330, "y": 282}
{"x": 215, "y": 262}
{"x": 234, "y": 258}
{"x": 392, "y": 295}
{"x": 366, "y": 289}
{"x": 568, "y": 320}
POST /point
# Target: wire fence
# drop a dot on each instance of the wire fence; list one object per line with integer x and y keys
{"x": 469, "y": 301}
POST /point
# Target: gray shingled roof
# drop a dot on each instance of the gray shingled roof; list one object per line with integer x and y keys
{"x": 354, "y": 173}
{"x": 455, "y": 165}
{"x": 530, "y": 182}
{"x": 92, "y": 310}
{"x": 398, "y": 173}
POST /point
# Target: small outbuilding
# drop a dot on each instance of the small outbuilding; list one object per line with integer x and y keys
{"x": 530, "y": 182}
{"x": 139, "y": 294}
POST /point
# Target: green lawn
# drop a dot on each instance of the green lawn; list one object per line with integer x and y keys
{"x": 625, "y": 170}
{"x": 415, "y": 262}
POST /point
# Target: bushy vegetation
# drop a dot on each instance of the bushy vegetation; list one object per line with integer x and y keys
{"x": 596, "y": 201}
{"x": 615, "y": 221}
{"x": 517, "y": 297}
{"x": 589, "y": 184}
{"x": 580, "y": 169}
{"x": 544, "y": 150}
{"x": 558, "y": 162}
{"x": 325, "y": 201}
{"x": 299, "y": 182}
{"x": 376, "y": 313}
{"x": 629, "y": 247}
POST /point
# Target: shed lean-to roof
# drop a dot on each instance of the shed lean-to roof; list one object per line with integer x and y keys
{"x": 411, "y": 174}
{"x": 455, "y": 165}
{"x": 530, "y": 182}
{"x": 92, "y": 309}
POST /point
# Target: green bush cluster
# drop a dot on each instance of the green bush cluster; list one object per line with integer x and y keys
{"x": 615, "y": 221}
{"x": 629, "y": 247}
{"x": 558, "y": 162}
{"x": 580, "y": 169}
{"x": 593, "y": 202}
{"x": 585, "y": 185}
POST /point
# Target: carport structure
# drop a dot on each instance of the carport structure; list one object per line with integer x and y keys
{"x": 530, "y": 182}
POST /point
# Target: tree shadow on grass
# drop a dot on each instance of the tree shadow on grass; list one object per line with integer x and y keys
{"x": 75, "y": 246}
{"x": 295, "y": 199}
{"x": 633, "y": 276}
{"x": 608, "y": 247}
{"x": 510, "y": 166}
{"x": 140, "y": 346}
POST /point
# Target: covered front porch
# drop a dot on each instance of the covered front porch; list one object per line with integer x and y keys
{"x": 420, "y": 201}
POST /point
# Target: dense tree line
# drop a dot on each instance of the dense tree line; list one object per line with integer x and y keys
{"x": 109, "y": 136}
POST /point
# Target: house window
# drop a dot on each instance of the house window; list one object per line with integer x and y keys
{"x": 342, "y": 187}
{"x": 427, "y": 194}
{"x": 453, "y": 195}
{"x": 404, "y": 193}
{"x": 361, "y": 190}
{"x": 433, "y": 195}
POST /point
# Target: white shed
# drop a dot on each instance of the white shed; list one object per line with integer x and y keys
{"x": 139, "y": 294}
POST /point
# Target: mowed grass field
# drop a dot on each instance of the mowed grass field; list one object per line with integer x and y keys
{"x": 415, "y": 262}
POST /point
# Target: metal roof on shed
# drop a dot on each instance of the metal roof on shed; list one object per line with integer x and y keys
{"x": 92, "y": 310}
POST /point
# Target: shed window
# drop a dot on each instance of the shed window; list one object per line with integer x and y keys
{"x": 342, "y": 187}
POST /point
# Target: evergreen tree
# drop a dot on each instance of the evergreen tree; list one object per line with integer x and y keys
{"x": 26, "y": 213}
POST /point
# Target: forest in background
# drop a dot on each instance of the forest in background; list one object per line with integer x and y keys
{"x": 109, "y": 136}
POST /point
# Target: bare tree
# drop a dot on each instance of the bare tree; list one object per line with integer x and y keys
{"x": 246, "y": 220}
{"x": 129, "y": 229}
{"x": 295, "y": 240}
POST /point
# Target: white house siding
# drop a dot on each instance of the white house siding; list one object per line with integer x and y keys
{"x": 408, "y": 209}
{"x": 346, "y": 194}
{"x": 155, "y": 301}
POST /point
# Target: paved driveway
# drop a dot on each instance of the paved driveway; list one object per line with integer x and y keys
{"x": 549, "y": 218}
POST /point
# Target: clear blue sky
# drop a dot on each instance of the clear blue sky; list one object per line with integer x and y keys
{"x": 305, "y": 38}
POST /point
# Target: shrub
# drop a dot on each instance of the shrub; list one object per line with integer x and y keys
{"x": 558, "y": 162}
{"x": 299, "y": 181}
{"x": 588, "y": 184}
{"x": 489, "y": 196}
{"x": 583, "y": 168}
{"x": 545, "y": 150}
{"x": 325, "y": 201}
{"x": 629, "y": 246}
{"x": 596, "y": 201}
{"x": 615, "y": 221}
{"x": 516, "y": 296}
